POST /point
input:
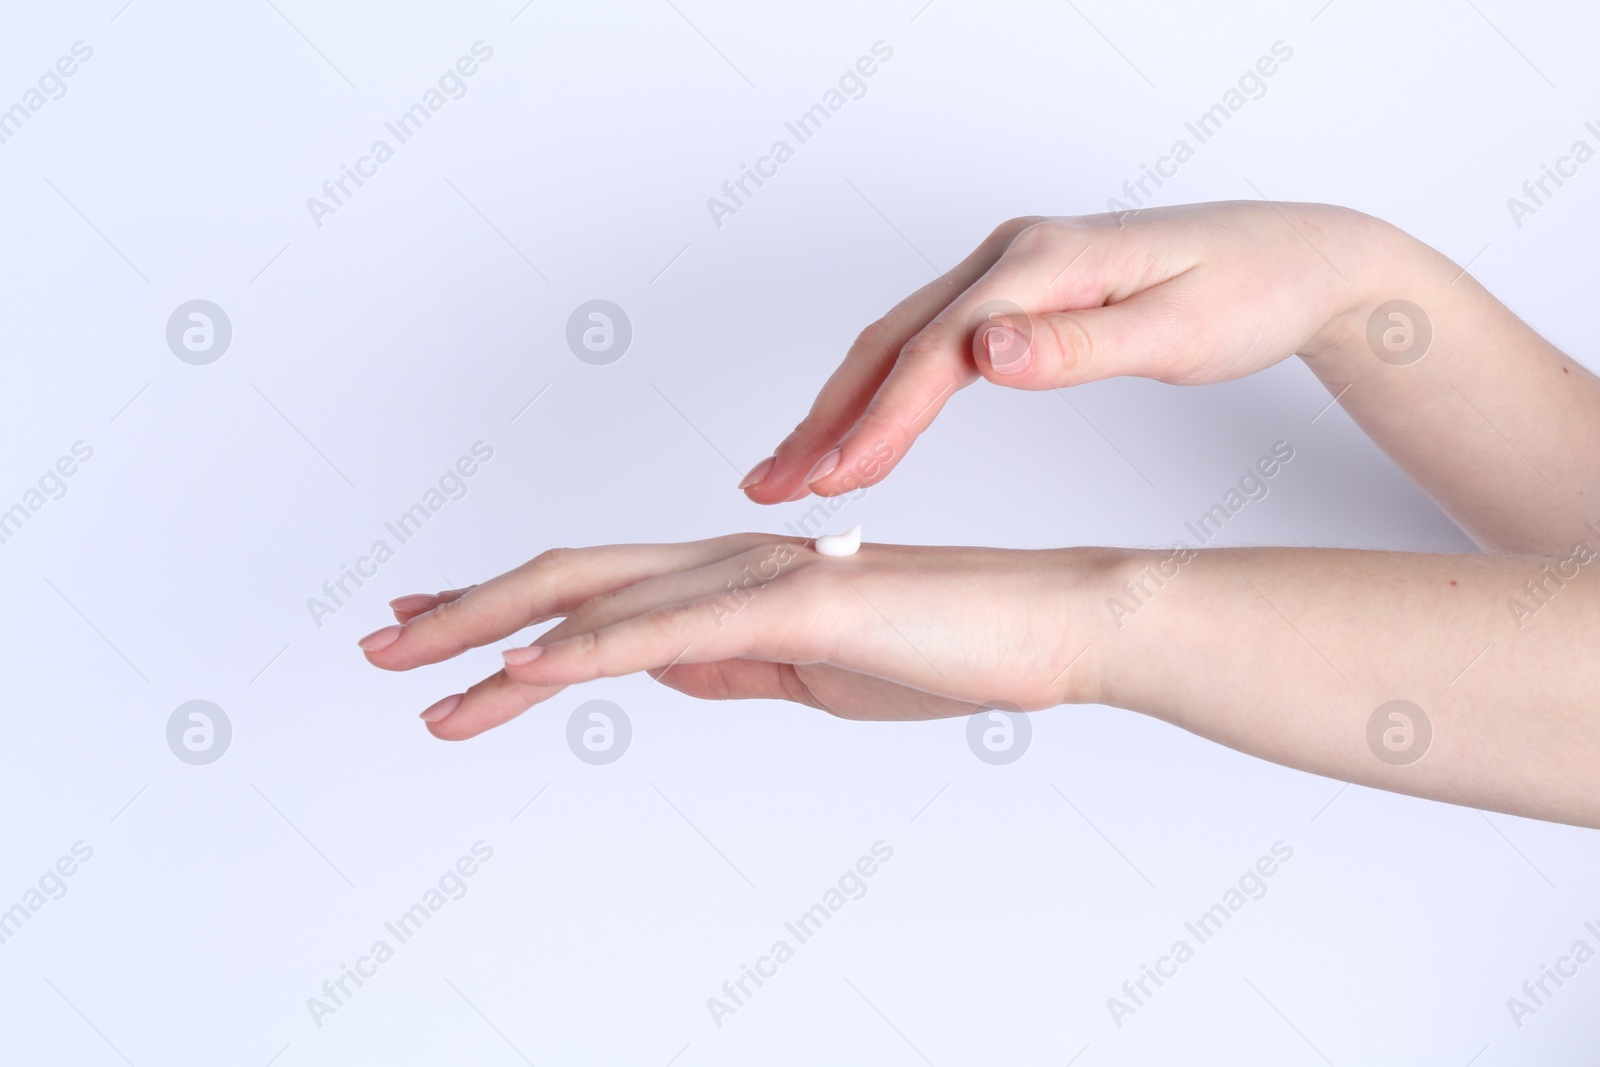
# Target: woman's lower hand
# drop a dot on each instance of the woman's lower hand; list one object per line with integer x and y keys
{"x": 1289, "y": 654}
{"x": 892, "y": 632}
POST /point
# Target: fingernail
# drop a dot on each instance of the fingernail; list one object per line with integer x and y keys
{"x": 758, "y": 472}
{"x": 378, "y": 640}
{"x": 412, "y": 603}
{"x": 521, "y": 657}
{"x": 442, "y": 709}
{"x": 1009, "y": 352}
{"x": 824, "y": 467}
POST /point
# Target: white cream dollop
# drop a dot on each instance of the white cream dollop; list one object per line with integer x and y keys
{"x": 838, "y": 545}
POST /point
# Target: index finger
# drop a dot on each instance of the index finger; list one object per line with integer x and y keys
{"x": 869, "y": 361}
{"x": 938, "y": 361}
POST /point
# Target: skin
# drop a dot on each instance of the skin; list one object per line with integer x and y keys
{"x": 1284, "y": 653}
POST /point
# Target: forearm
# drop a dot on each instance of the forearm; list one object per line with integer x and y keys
{"x": 1288, "y": 653}
{"x": 1500, "y": 428}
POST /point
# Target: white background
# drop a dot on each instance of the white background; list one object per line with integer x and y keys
{"x": 372, "y": 351}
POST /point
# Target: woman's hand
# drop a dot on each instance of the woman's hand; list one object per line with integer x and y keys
{"x": 1186, "y": 295}
{"x": 892, "y": 632}
{"x": 1290, "y": 654}
{"x": 1493, "y": 422}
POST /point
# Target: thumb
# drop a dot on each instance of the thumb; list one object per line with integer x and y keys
{"x": 1150, "y": 334}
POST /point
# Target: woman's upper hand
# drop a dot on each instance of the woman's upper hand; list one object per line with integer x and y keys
{"x": 892, "y": 632}
{"x": 1185, "y": 295}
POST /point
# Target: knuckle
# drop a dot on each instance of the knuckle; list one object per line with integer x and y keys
{"x": 1042, "y": 236}
{"x": 548, "y": 565}
{"x": 877, "y": 336}
{"x": 551, "y": 561}
{"x": 925, "y": 346}
{"x": 877, "y": 418}
{"x": 594, "y": 607}
{"x": 448, "y": 612}
{"x": 812, "y": 426}
{"x": 1075, "y": 343}
{"x": 1009, "y": 229}
{"x": 679, "y": 619}
{"x": 716, "y": 686}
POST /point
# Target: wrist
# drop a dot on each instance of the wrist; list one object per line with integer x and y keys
{"x": 1379, "y": 263}
{"x": 1103, "y": 594}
